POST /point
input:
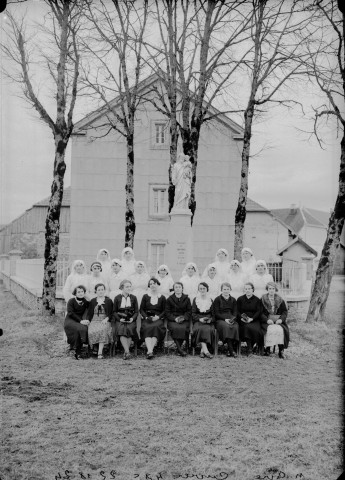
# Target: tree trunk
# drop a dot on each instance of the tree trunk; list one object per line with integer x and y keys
{"x": 53, "y": 228}
{"x": 130, "y": 220}
{"x": 194, "y": 144}
{"x": 240, "y": 215}
{"x": 324, "y": 271}
{"x": 173, "y": 150}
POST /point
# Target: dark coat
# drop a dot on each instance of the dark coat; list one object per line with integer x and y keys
{"x": 177, "y": 307}
{"x": 133, "y": 310}
{"x": 255, "y": 330}
{"x": 108, "y": 308}
{"x": 282, "y": 311}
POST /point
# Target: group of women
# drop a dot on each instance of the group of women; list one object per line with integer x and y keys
{"x": 119, "y": 300}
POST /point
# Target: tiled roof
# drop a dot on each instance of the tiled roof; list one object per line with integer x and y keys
{"x": 297, "y": 240}
{"x": 254, "y": 207}
{"x": 317, "y": 215}
{"x": 66, "y": 199}
{"x": 293, "y": 220}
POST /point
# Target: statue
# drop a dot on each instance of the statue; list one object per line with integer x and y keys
{"x": 182, "y": 179}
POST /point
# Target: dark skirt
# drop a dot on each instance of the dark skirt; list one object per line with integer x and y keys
{"x": 251, "y": 331}
{"x": 202, "y": 332}
{"x": 126, "y": 330}
{"x": 76, "y": 333}
{"x": 226, "y": 331}
{"x": 179, "y": 331}
{"x": 152, "y": 329}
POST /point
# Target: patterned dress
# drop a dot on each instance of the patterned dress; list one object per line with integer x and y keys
{"x": 100, "y": 332}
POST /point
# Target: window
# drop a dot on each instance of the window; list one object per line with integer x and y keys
{"x": 159, "y": 135}
{"x": 156, "y": 254}
{"x": 158, "y": 201}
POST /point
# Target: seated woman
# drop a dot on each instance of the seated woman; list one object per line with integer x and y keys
{"x": 115, "y": 278}
{"x": 152, "y": 311}
{"x": 275, "y": 313}
{"x": 100, "y": 314}
{"x": 78, "y": 276}
{"x": 95, "y": 278}
{"x": 261, "y": 278}
{"x": 178, "y": 311}
{"x": 75, "y": 327}
{"x": 225, "y": 315}
{"x": 203, "y": 321}
{"x": 125, "y": 314}
{"x": 190, "y": 280}
{"x": 213, "y": 280}
{"x": 249, "y": 315}
{"x": 165, "y": 279}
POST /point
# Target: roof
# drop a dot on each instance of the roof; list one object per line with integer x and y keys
{"x": 318, "y": 215}
{"x": 144, "y": 84}
{"x": 297, "y": 240}
{"x": 294, "y": 221}
{"x": 66, "y": 199}
{"x": 255, "y": 207}
{"x": 302, "y": 216}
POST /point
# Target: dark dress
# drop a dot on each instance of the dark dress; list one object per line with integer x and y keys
{"x": 75, "y": 331}
{"x": 202, "y": 332}
{"x": 151, "y": 328}
{"x": 282, "y": 311}
{"x": 178, "y": 307}
{"x": 125, "y": 329}
{"x": 224, "y": 309}
{"x": 255, "y": 330}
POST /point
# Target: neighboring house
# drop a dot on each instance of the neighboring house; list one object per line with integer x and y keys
{"x": 27, "y": 232}
{"x": 311, "y": 225}
{"x": 98, "y": 178}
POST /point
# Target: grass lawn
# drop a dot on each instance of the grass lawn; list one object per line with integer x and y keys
{"x": 245, "y": 418}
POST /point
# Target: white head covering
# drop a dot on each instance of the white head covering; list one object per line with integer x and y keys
{"x": 236, "y": 262}
{"x": 249, "y": 250}
{"x": 190, "y": 264}
{"x": 223, "y": 250}
{"x": 140, "y": 262}
{"x": 262, "y": 262}
{"x": 207, "y": 269}
{"x": 165, "y": 267}
{"x": 74, "y": 264}
{"x": 127, "y": 249}
{"x": 105, "y": 251}
{"x": 116, "y": 260}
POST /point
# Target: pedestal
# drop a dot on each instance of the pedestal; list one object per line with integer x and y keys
{"x": 180, "y": 242}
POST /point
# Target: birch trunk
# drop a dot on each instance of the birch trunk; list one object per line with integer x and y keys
{"x": 324, "y": 271}
{"x": 129, "y": 215}
{"x": 52, "y": 231}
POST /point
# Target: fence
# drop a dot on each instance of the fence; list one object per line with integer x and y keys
{"x": 290, "y": 276}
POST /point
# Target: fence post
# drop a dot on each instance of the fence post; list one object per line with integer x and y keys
{"x": 14, "y": 255}
{"x": 3, "y": 259}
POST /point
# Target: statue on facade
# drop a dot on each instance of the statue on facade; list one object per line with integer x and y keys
{"x": 182, "y": 179}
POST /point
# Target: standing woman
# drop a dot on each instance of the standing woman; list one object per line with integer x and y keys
{"x": 128, "y": 261}
{"x": 75, "y": 327}
{"x": 261, "y": 278}
{"x": 248, "y": 263}
{"x": 236, "y": 279}
{"x": 190, "y": 280}
{"x": 125, "y": 314}
{"x": 100, "y": 314}
{"x": 211, "y": 277}
{"x": 203, "y": 320}
{"x": 139, "y": 280}
{"x": 115, "y": 278}
{"x": 152, "y": 311}
{"x": 222, "y": 264}
{"x": 78, "y": 276}
{"x": 275, "y": 313}
{"x": 165, "y": 279}
{"x": 178, "y": 311}
{"x": 249, "y": 315}
{"x": 95, "y": 278}
{"x": 225, "y": 315}
{"x": 103, "y": 256}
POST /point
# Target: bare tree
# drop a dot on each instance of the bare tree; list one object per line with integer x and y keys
{"x": 193, "y": 65}
{"x": 114, "y": 46}
{"x": 326, "y": 63}
{"x": 58, "y": 57}
{"x": 275, "y": 60}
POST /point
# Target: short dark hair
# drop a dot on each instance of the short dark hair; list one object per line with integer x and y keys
{"x": 225, "y": 284}
{"x": 178, "y": 283}
{"x": 96, "y": 263}
{"x": 204, "y": 284}
{"x": 76, "y": 288}
{"x": 250, "y": 284}
{"x": 122, "y": 284}
{"x": 153, "y": 279}
{"x": 272, "y": 284}
{"x": 99, "y": 285}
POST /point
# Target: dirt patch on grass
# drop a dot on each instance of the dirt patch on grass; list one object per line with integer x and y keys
{"x": 171, "y": 417}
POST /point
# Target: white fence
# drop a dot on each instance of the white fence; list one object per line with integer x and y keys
{"x": 291, "y": 277}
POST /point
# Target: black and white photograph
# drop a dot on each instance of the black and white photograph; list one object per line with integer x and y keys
{"x": 172, "y": 243}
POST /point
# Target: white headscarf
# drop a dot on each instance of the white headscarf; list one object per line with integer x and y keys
{"x": 223, "y": 250}
{"x": 74, "y": 264}
{"x": 105, "y": 251}
{"x": 235, "y": 262}
{"x": 190, "y": 264}
{"x": 116, "y": 260}
{"x": 128, "y": 266}
{"x": 262, "y": 262}
{"x": 127, "y": 249}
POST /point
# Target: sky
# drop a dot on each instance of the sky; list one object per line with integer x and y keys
{"x": 287, "y": 166}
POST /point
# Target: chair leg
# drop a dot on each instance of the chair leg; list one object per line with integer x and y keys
{"x": 215, "y": 343}
{"x": 274, "y": 349}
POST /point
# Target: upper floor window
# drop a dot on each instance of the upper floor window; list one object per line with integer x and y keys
{"x": 158, "y": 202}
{"x": 159, "y": 134}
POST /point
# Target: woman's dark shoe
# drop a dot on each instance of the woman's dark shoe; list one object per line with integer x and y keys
{"x": 231, "y": 354}
{"x": 181, "y": 353}
{"x": 281, "y": 354}
{"x": 149, "y": 356}
{"x": 267, "y": 352}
